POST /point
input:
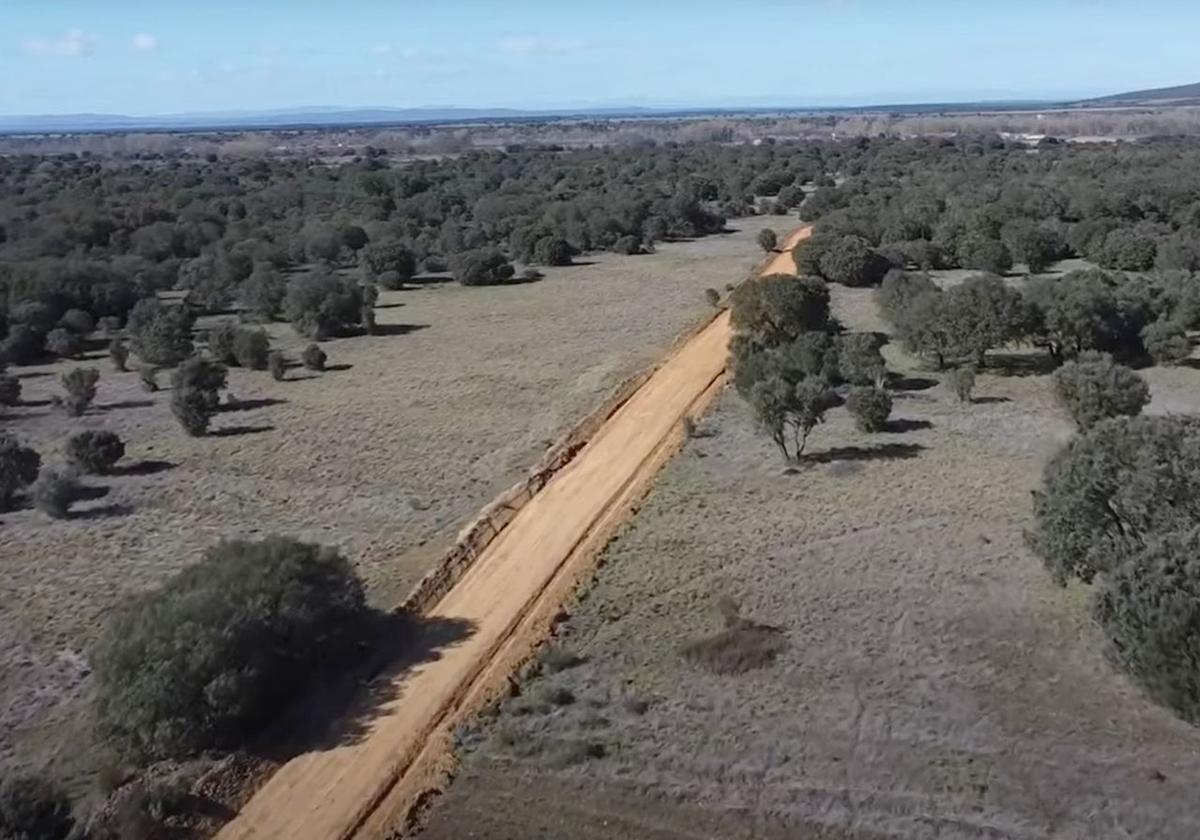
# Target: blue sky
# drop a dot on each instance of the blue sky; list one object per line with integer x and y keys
{"x": 170, "y": 56}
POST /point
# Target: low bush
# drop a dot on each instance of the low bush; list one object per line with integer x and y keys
{"x": 197, "y": 384}
{"x": 10, "y": 389}
{"x": 1149, "y": 609}
{"x": 34, "y": 809}
{"x": 205, "y": 660}
{"x": 63, "y": 343}
{"x": 160, "y": 335}
{"x": 870, "y": 407}
{"x": 193, "y": 409}
{"x": 713, "y": 297}
{"x": 962, "y": 380}
{"x": 483, "y": 267}
{"x": 768, "y": 240}
{"x": 277, "y": 365}
{"x": 314, "y": 357}
{"x": 251, "y": 348}
{"x": 1095, "y": 387}
{"x": 53, "y": 492}
{"x": 80, "y": 385}
{"x": 18, "y": 468}
{"x": 149, "y": 379}
{"x": 119, "y": 353}
{"x": 95, "y": 451}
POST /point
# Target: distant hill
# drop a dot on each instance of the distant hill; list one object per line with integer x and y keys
{"x": 1178, "y": 95}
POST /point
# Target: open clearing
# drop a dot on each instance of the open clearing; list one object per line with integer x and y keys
{"x": 385, "y": 456}
{"x": 929, "y": 681}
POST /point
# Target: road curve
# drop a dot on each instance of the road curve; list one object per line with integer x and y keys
{"x": 333, "y": 793}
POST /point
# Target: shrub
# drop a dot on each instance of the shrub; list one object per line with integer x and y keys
{"x": 870, "y": 407}
{"x": 53, "y": 492}
{"x": 22, "y": 346}
{"x": 314, "y": 357}
{"x": 63, "y": 343}
{"x": 320, "y": 305}
{"x": 34, "y": 809}
{"x": 160, "y": 335}
{"x": 95, "y": 451}
{"x": 251, "y": 348}
{"x": 859, "y": 359}
{"x": 1149, "y": 609}
{"x": 713, "y": 297}
{"x": 277, "y": 364}
{"x": 10, "y": 389}
{"x": 962, "y": 380}
{"x": 483, "y": 267}
{"x": 18, "y": 469}
{"x": 1094, "y": 388}
{"x": 80, "y": 385}
{"x": 1111, "y": 488}
{"x": 768, "y": 240}
{"x": 551, "y": 250}
{"x": 149, "y": 378}
{"x": 205, "y": 660}
{"x": 119, "y": 353}
{"x": 78, "y": 321}
{"x": 193, "y": 409}
{"x": 1166, "y": 341}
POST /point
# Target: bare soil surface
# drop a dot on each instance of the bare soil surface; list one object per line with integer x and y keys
{"x": 932, "y": 682}
{"x": 385, "y": 456}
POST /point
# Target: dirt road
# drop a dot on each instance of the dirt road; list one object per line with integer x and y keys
{"x": 358, "y": 789}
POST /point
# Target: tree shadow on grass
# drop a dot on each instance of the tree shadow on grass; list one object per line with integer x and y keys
{"x": 911, "y": 383}
{"x": 883, "y": 452}
{"x": 339, "y": 710}
{"x": 989, "y": 400}
{"x": 1020, "y": 364}
{"x": 901, "y": 425}
{"x": 125, "y": 404}
{"x": 338, "y": 367}
{"x": 249, "y": 405}
{"x": 90, "y": 492}
{"x": 34, "y": 374}
{"x": 235, "y": 431}
{"x": 102, "y": 512}
{"x": 397, "y": 329}
{"x": 146, "y": 467}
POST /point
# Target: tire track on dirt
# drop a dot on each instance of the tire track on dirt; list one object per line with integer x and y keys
{"x": 368, "y": 788}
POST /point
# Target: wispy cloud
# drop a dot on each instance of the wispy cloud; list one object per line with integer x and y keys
{"x": 534, "y": 45}
{"x": 145, "y": 42}
{"x": 73, "y": 42}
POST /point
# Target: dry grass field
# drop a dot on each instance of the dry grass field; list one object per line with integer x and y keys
{"x": 918, "y": 674}
{"x": 384, "y": 456}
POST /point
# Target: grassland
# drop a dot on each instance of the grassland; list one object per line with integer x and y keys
{"x": 385, "y": 456}
{"x": 924, "y": 679}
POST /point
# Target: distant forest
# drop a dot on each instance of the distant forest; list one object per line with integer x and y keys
{"x": 95, "y": 234}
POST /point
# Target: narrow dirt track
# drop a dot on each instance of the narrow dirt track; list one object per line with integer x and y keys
{"x": 341, "y": 791}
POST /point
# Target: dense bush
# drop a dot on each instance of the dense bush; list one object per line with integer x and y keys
{"x": 262, "y": 293}
{"x": 1167, "y": 343}
{"x": 552, "y": 250}
{"x": 19, "y": 467}
{"x": 962, "y": 380}
{"x": 870, "y": 407}
{"x": 851, "y": 262}
{"x": 984, "y": 254}
{"x": 10, "y": 388}
{"x": 251, "y": 348}
{"x": 483, "y": 267}
{"x": 391, "y": 260}
{"x": 195, "y": 395}
{"x": 53, "y": 492}
{"x": 314, "y": 357}
{"x": 80, "y": 385}
{"x": 768, "y": 240}
{"x": 78, "y": 321}
{"x": 63, "y": 343}
{"x": 95, "y": 451}
{"x": 1112, "y": 488}
{"x": 320, "y": 305}
{"x": 859, "y": 360}
{"x": 1094, "y": 388}
{"x": 1149, "y": 609}
{"x": 160, "y": 335}
{"x": 34, "y": 809}
{"x": 277, "y": 365}
{"x": 205, "y": 660}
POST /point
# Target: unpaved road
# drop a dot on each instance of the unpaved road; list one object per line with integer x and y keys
{"x": 333, "y": 793}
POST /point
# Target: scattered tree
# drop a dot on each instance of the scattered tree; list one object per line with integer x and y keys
{"x": 870, "y": 407}
{"x": 851, "y": 262}
{"x": 19, "y": 467}
{"x": 10, "y": 389}
{"x": 277, "y": 365}
{"x": 149, "y": 378}
{"x": 962, "y": 380}
{"x": 63, "y": 343}
{"x": 80, "y": 385}
{"x": 859, "y": 359}
{"x": 320, "y": 305}
{"x": 314, "y": 357}
{"x": 484, "y": 267}
{"x": 119, "y": 353}
{"x": 160, "y": 335}
{"x": 95, "y": 451}
{"x": 713, "y": 297}
{"x": 53, "y": 492}
{"x": 768, "y": 240}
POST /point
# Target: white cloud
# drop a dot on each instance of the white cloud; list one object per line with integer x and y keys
{"x": 533, "y": 45}
{"x": 145, "y": 42}
{"x": 73, "y": 42}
